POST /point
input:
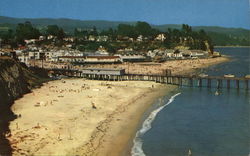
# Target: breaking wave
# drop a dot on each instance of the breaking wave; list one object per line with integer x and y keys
{"x": 137, "y": 147}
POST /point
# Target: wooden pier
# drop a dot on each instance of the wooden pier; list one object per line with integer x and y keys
{"x": 180, "y": 80}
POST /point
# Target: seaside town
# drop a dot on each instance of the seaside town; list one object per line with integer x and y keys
{"x": 55, "y": 49}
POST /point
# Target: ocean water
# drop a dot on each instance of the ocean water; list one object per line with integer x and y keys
{"x": 196, "y": 119}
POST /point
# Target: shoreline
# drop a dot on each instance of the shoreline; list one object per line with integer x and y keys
{"x": 138, "y": 121}
{"x": 51, "y": 129}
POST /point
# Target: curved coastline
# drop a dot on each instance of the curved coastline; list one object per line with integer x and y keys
{"x": 49, "y": 128}
{"x": 146, "y": 126}
{"x": 118, "y": 140}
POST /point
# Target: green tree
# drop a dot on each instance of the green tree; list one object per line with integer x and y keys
{"x": 186, "y": 29}
{"x": 126, "y": 30}
{"x": 26, "y": 31}
{"x": 55, "y": 31}
{"x": 143, "y": 28}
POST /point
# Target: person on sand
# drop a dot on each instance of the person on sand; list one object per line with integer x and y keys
{"x": 93, "y": 105}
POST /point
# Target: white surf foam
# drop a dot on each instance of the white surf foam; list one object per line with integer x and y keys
{"x": 137, "y": 147}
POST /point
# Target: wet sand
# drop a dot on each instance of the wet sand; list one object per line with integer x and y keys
{"x": 81, "y": 117}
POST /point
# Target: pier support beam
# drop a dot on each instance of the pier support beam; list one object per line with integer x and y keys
{"x": 228, "y": 84}
{"x": 200, "y": 82}
{"x": 237, "y": 84}
{"x": 191, "y": 82}
{"x": 246, "y": 83}
{"x": 219, "y": 83}
{"x": 208, "y": 83}
{"x": 179, "y": 81}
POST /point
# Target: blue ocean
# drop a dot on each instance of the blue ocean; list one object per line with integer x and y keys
{"x": 196, "y": 121}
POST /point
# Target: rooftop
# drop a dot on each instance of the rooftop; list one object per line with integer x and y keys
{"x": 104, "y": 69}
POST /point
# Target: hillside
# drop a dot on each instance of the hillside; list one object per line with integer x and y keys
{"x": 220, "y": 35}
{"x": 15, "y": 81}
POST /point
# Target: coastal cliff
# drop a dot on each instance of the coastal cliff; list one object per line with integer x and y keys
{"x": 15, "y": 81}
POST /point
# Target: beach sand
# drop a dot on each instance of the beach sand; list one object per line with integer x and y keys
{"x": 81, "y": 117}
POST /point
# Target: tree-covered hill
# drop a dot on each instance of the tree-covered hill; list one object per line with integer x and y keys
{"x": 220, "y": 35}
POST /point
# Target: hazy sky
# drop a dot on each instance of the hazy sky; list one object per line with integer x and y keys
{"x": 228, "y": 13}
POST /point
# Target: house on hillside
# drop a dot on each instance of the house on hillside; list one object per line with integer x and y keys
{"x": 41, "y": 38}
{"x": 50, "y": 37}
{"x": 30, "y": 41}
{"x": 160, "y": 37}
{"x": 92, "y": 38}
{"x": 69, "y": 39}
{"x": 139, "y": 38}
{"x": 102, "y": 38}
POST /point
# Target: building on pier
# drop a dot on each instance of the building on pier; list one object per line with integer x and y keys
{"x": 103, "y": 71}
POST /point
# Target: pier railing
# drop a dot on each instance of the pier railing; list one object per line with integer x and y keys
{"x": 181, "y": 80}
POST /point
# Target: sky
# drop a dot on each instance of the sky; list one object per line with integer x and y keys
{"x": 226, "y": 13}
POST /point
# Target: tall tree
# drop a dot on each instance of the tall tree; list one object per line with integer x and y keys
{"x": 143, "y": 28}
{"x": 26, "y": 31}
{"x": 126, "y": 30}
{"x": 55, "y": 31}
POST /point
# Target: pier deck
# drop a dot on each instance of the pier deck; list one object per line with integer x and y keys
{"x": 181, "y": 80}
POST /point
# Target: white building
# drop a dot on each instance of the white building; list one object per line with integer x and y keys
{"x": 139, "y": 38}
{"x": 92, "y": 38}
{"x": 42, "y": 38}
{"x": 24, "y": 58}
{"x": 50, "y": 37}
{"x": 131, "y": 57}
{"x": 102, "y": 38}
{"x": 151, "y": 54}
{"x": 31, "y": 41}
{"x": 1, "y": 53}
{"x": 160, "y": 37}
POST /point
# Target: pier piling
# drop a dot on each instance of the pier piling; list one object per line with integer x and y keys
{"x": 228, "y": 84}
{"x": 168, "y": 78}
{"x": 208, "y": 83}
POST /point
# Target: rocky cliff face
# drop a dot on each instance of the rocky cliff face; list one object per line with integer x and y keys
{"x": 15, "y": 81}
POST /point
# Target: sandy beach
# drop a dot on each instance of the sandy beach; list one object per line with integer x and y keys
{"x": 81, "y": 117}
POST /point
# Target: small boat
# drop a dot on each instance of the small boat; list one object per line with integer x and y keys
{"x": 203, "y": 75}
{"x": 216, "y": 93}
{"x": 229, "y": 75}
{"x": 189, "y": 152}
{"x": 247, "y": 76}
